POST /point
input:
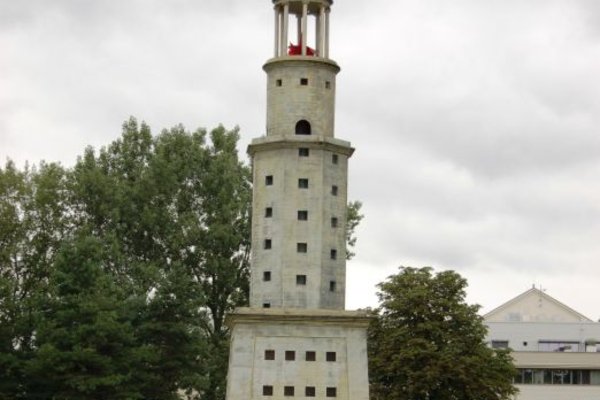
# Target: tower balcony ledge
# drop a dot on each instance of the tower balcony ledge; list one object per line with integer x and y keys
{"x": 298, "y": 59}
{"x": 356, "y": 318}
{"x": 315, "y": 142}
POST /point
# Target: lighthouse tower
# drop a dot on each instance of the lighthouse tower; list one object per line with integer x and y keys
{"x": 296, "y": 339}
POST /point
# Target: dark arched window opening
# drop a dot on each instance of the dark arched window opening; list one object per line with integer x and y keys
{"x": 303, "y": 127}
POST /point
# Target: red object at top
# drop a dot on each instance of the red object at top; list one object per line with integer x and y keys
{"x": 296, "y": 50}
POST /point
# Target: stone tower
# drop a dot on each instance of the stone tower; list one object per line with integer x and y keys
{"x": 296, "y": 339}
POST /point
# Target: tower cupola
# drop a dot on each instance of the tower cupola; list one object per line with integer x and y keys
{"x": 294, "y": 20}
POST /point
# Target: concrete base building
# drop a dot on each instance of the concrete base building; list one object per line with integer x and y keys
{"x": 296, "y": 339}
{"x": 555, "y": 348}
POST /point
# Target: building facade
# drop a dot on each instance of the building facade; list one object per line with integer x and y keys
{"x": 555, "y": 348}
{"x": 296, "y": 339}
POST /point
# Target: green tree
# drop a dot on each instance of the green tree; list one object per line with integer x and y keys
{"x": 353, "y": 218}
{"x": 426, "y": 343}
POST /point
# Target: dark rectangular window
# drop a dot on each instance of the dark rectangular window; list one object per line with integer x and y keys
{"x": 267, "y": 390}
{"x": 269, "y": 354}
{"x": 332, "y": 286}
{"x": 269, "y": 180}
{"x": 268, "y": 212}
{"x": 330, "y": 356}
{"x": 499, "y": 344}
{"x": 303, "y": 152}
{"x": 333, "y": 254}
{"x": 266, "y": 305}
{"x": 303, "y": 183}
{"x": 300, "y": 279}
{"x": 290, "y": 355}
{"x": 334, "y": 190}
{"x": 334, "y": 158}
{"x": 304, "y": 81}
{"x": 310, "y": 391}
{"x": 302, "y": 215}
{"x": 311, "y": 356}
{"x": 278, "y": 82}
{"x": 334, "y": 222}
{"x": 288, "y": 391}
{"x": 327, "y": 85}
{"x": 331, "y": 392}
{"x": 301, "y": 247}
{"x": 268, "y": 244}
{"x": 266, "y": 276}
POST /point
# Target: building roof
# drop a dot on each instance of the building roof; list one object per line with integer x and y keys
{"x": 534, "y": 305}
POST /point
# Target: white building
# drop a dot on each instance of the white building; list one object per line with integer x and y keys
{"x": 296, "y": 339}
{"x": 554, "y": 347}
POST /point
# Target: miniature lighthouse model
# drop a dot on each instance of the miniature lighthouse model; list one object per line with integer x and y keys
{"x": 296, "y": 339}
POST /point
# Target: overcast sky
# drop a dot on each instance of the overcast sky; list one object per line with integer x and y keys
{"x": 475, "y": 122}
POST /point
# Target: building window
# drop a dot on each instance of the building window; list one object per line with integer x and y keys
{"x": 278, "y": 82}
{"x": 267, "y": 390}
{"x": 268, "y": 212}
{"x": 334, "y": 158}
{"x": 331, "y": 392}
{"x": 330, "y": 356}
{"x": 304, "y": 81}
{"x": 266, "y": 305}
{"x": 268, "y": 244}
{"x": 269, "y": 180}
{"x": 311, "y": 356}
{"x": 334, "y": 222}
{"x": 303, "y": 152}
{"x": 559, "y": 346}
{"x": 327, "y": 85}
{"x": 266, "y": 276}
{"x": 499, "y": 344}
{"x": 310, "y": 391}
{"x": 300, "y": 279}
{"x": 303, "y": 127}
{"x": 302, "y": 215}
{"x": 334, "y": 190}
{"x": 288, "y": 391}
{"x": 333, "y": 254}
{"x": 332, "y": 286}
{"x": 303, "y": 183}
{"x": 290, "y": 355}
{"x": 269, "y": 355}
{"x": 301, "y": 247}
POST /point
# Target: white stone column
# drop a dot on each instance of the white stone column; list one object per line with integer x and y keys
{"x": 326, "y": 46}
{"x": 284, "y": 28}
{"x": 304, "y": 26}
{"x": 321, "y": 32}
{"x": 277, "y": 31}
{"x": 299, "y": 30}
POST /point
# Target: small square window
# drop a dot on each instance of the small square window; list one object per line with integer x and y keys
{"x": 267, "y": 390}
{"x": 268, "y": 212}
{"x": 301, "y": 247}
{"x": 290, "y": 355}
{"x": 269, "y": 180}
{"x": 334, "y": 190}
{"x": 303, "y": 152}
{"x": 334, "y": 222}
{"x": 303, "y": 183}
{"x": 330, "y": 356}
{"x": 334, "y": 158}
{"x": 302, "y": 215}
{"x": 268, "y": 244}
{"x": 310, "y": 391}
{"x": 300, "y": 279}
{"x": 266, "y": 276}
{"x": 269, "y": 355}
{"x": 304, "y": 81}
{"x": 331, "y": 392}
{"x": 266, "y": 305}
{"x": 333, "y": 254}
{"x": 311, "y": 356}
{"x": 288, "y": 391}
{"x": 278, "y": 82}
{"x": 327, "y": 85}
{"x": 332, "y": 286}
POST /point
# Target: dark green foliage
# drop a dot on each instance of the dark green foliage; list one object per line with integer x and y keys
{"x": 427, "y": 343}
